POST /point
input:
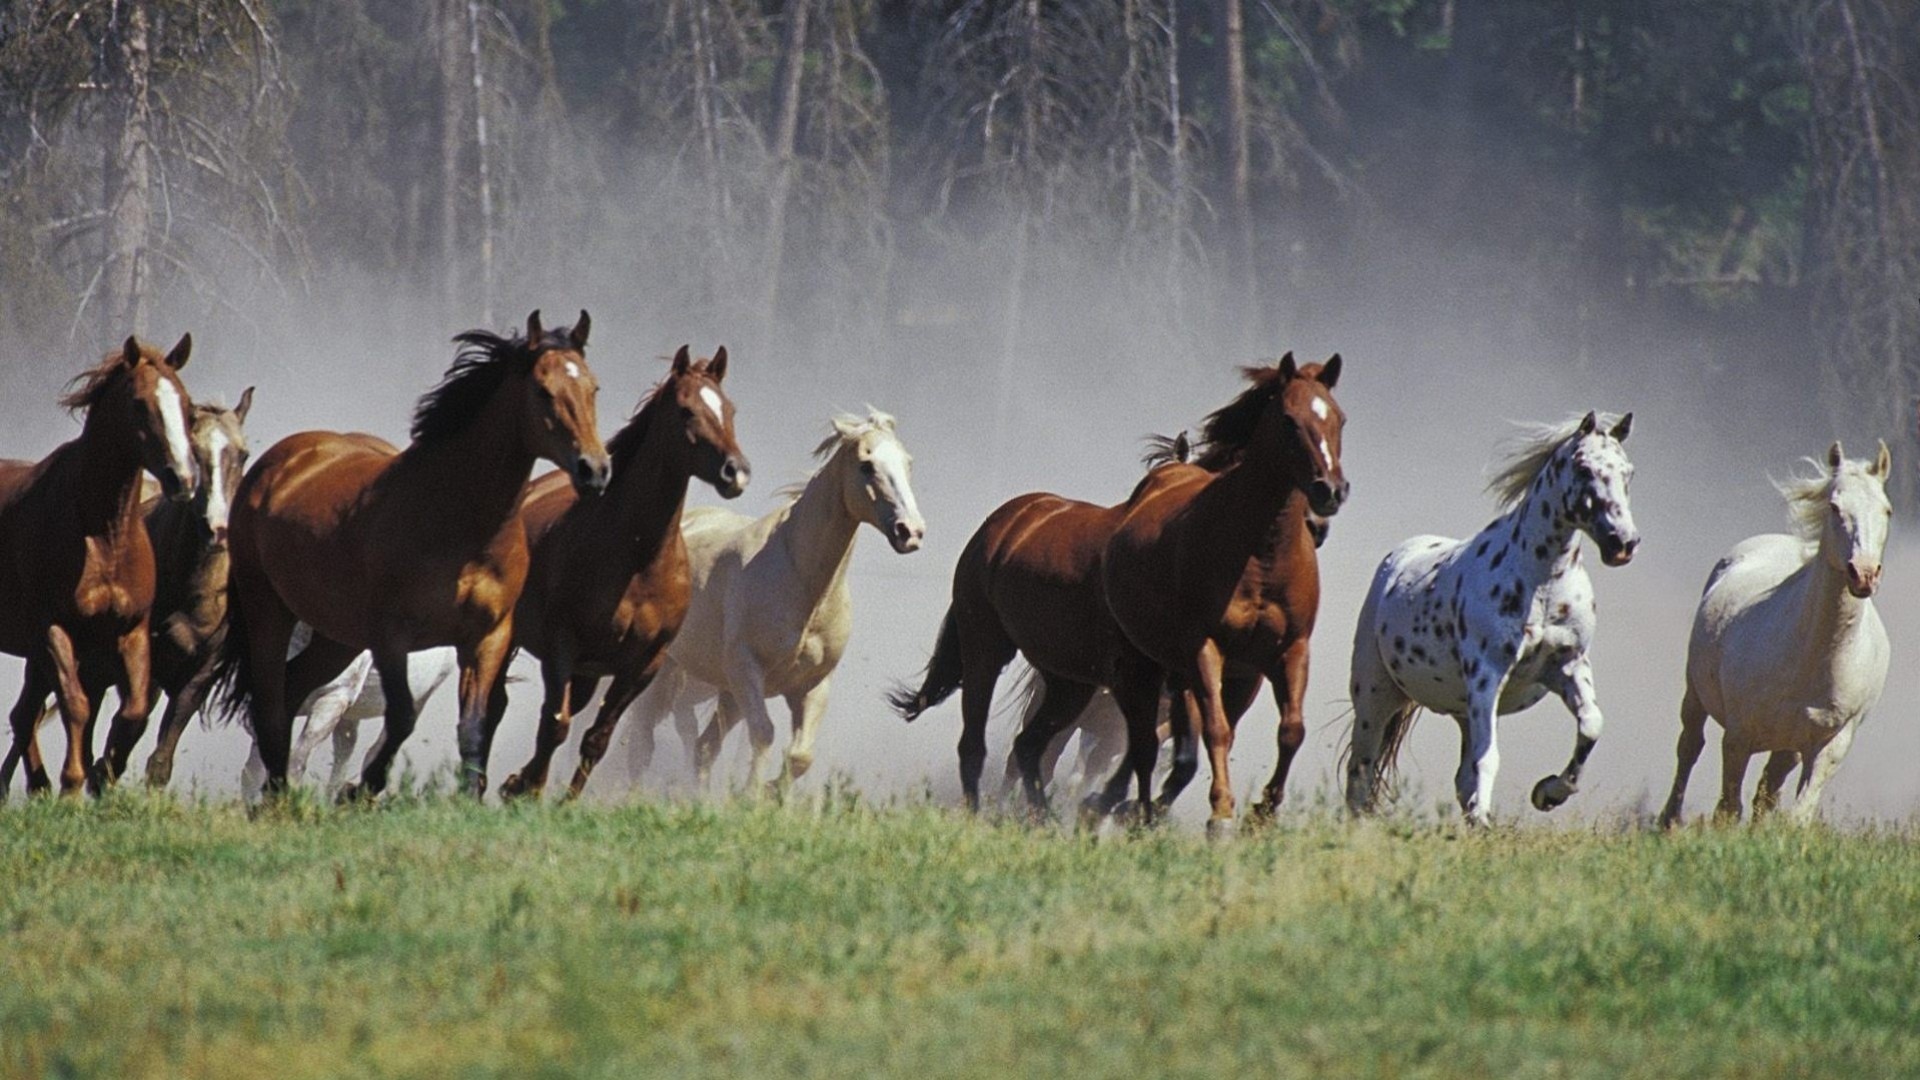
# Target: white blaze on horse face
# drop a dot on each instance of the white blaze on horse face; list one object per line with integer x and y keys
{"x": 891, "y": 474}
{"x": 712, "y": 399}
{"x": 218, "y": 509}
{"x": 1320, "y": 407}
{"x": 1860, "y": 503}
{"x": 573, "y": 370}
{"x": 173, "y": 418}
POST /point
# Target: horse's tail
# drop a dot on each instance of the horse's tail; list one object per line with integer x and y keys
{"x": 230, "y": 694}
{"x": 1398, "y": 725}
{"x": 941, "y": 678}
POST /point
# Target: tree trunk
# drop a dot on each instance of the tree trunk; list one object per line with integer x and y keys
{"x": 480, "y": 154}
{"x": 1245, "y": 290}
{"x": 127, "y": 176}
{"x": 786, "y": 123}
{"x": 449, "y": 44}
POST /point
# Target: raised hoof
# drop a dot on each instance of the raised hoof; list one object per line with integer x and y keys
{"x": 1220, "y": 830}
{"x": 1549, "y": 793}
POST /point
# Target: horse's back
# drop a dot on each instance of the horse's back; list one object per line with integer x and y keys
{"x": 1035, "y": 565}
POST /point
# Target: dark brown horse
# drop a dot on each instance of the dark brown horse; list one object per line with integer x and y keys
{"x": 76, "y": 567}
{"x": 1212, "y": 573}
{"x": 396, "y": 550}
{"x": 1028, "y": 581}
{"x": 189, "y": 617}
{"x": 609, "y": 584}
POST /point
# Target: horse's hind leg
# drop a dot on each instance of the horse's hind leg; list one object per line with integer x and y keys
{"x": 1289, "y": 693}
{"x": 1380, "y": 708}
{"x": 1734, "y": 753}
{"x": 1766, "y": 797}
{"x": 1061, "y": 702}
{"x": 1693, "y": 738}
{"x": 808, "y": 710}
{"x": 76, "y": 708}
{"x": 593, "y": 745}
{"x": 136, "y": 703}
{"x": 561, "y": 690}
{"x": 985, "y": 652}
{"x": 1183, "y": 728}
{"x": 1575, "y": 688}
{"x": 25, "y": 720}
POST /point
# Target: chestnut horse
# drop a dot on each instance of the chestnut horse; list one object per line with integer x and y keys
{"x": 189, "y": 616}
{"x": 397, "y": 550}
{"x": 1211, "y": 573}
{"x": 609, "y": 582}
{"x": 76, "y": 566}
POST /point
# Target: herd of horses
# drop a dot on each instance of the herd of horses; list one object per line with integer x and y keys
{"x": 340, "y": 577}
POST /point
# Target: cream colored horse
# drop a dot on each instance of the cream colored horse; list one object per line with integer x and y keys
{"x": 771, "y": 611}
{"x": 1787, "y": 650}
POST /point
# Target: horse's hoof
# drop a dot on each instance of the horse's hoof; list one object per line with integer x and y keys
{"x": 349, "y": 794}
{"x": 1549, "y": 793}
{"x": 517, "y": 788}
{"x": 1222, "y": 829}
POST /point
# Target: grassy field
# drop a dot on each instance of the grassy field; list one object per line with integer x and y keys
{"x": 429, "y": 937}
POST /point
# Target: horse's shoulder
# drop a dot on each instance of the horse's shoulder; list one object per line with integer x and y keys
{"x": 1167, "y": 477}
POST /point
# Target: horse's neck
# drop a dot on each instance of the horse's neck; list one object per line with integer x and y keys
{"x": 1254, "y": 510}
{"x": 1543, "y": 545}
{"x": 1828, "y": 614}
{"x": 190, "y": 567}
{"x": 818, "y": 532}
{"x": 648, "y": 493}
{"x": 108, "y": 465}
{"x": 473, "y": 478}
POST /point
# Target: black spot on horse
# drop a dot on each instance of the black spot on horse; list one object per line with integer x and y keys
{"x": 1498, "y": 558}
{"x": 1482, "y": 549}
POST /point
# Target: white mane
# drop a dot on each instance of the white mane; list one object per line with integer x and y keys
{"x": 1528, "y": 452}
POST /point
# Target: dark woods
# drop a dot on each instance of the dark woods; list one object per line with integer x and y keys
{"x": 1135, "y": 182}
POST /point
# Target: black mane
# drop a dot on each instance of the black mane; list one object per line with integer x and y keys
{"x": 484, "y": 361}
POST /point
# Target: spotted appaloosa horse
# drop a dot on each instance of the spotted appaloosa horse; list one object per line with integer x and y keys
{"x": 1787, "y": 652}
{"x": 1491, "y": 624}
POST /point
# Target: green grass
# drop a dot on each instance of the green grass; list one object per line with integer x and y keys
{"x": 146, "y": 937}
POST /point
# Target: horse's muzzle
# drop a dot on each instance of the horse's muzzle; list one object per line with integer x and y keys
{"x": 592, "y": 473}
{"x": 1862, "y": 582}
{"x": 1617, "y": 552}
{"x": 734, "y": 474}
{"x": 1325, "y": 497}
{"x": 906, "y": 536}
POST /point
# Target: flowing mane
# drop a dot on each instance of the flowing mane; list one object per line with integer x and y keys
{"x": 1807, "y": 496}
{"x": 1528, "y": 452}
{"x": 843, "y": 428}
{"x": 628, "y": 440}
{"x": 484, "y": 361}
{"x": 1228, "y": 429}
{"x": 86, "y": 389}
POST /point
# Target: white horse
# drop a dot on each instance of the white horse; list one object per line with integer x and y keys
{"x": 1787, "y": 650}
{"x": 1489, "y": 625}
{"x": 771, "y": 612}
{"x": 337, "y": 709}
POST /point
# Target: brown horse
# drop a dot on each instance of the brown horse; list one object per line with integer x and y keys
{"x": 1212, "y": 573}
{"x": 76, "y": 567}
{"x": 189, "y": 616}
{"x": 609, "y": 584}
{"x": 1028, "y": 581}
{"x": 396, "y": 550}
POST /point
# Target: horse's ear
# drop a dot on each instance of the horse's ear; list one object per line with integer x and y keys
{"x": 1288, "y": 369}
{"x": 1835, "y": 455}
{"x": 1622, "y": 429}
{"x": 1883, "y": 463}
{"x": 182, "y": 349}
{"x": 717, "y": 367}
{"x": 246, "y": 404}
{"x": 579, "y": 334}
{"x": 130, "y": 352}
{"x": 682, "y": 361}
{"x": 535, "y": 331}
{"x": 1589, "y": 422}
{"x": 1330, "y": 372}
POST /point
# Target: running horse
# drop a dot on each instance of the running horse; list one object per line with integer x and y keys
{"x": 609, "y": 582}
{"x": 1213, "y": 577}
{"x": 76, "y": 566}
{"x": 392, "y": 550}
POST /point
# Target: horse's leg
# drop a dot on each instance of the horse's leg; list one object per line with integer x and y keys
{"x": 1136, "y": 691}
{"x": 652, "y": 707}
{"x": 1184, "y": 721}
{"x": 1207, "y": 678}
{"x": 25, "y": 721}
{"x": 808, "y": 710}
{"x": 269, "y": 626}
{"x": 1379, "y": 708}
{"x": 556, "y": 720}
{"x": 985, "y": 651}
{"x": 1734, "y": 753}
{"x": 1289, "y": 695}
{"x": 390, "y": 663}
{"x": 76, "y": 708}
{"x": 1813, "y": 779}
{"x": 183, "y": 704}
{"x": 1480, "y": 761}
{"x": 482, "y": 668}
{"x": 1773, "y": 777}
{"x": 313, "y": 676}
{"x": 621, "y": 693}
{"x": 134, "y": 682}
{"x": 1574, "y": 686}
{"x": 1693, "y": 738}
{"x": 1061, "y": 701}
{"x": 706, "y": 749}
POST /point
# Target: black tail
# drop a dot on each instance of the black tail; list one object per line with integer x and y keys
{"x": 230, "y": 693}
{"x": 943, "y": 674}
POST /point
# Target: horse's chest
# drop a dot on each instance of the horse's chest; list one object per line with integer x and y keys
{"x": 109, "y": 587}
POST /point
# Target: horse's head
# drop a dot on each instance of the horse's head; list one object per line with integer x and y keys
{"x": 876, "y": 478}
{"x": 704, "y": 415}
{"x": 559, "y": 413}
{"x": 219, "y": 442}
{"x": 1314, "y": 421}
{"x": 1593, "y": 494}
{"x": 138, "y": 391}
{"x": 1855, "y": 518}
